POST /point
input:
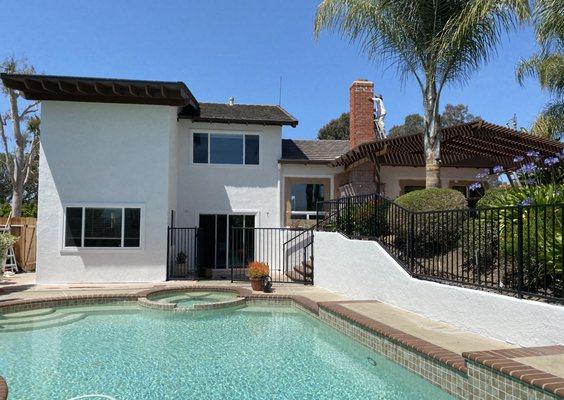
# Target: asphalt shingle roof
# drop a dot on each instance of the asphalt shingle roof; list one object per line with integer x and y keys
{"x": 313, "y": 150}
{"x": 240, "y": 113}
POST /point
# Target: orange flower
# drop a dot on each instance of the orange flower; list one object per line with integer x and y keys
{"x": 257, "y": 270}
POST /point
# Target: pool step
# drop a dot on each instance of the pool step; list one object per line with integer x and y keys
{"x": 63, "y": 319}
{"x": 31, "y": 320}
{"x": 28, "y": 314}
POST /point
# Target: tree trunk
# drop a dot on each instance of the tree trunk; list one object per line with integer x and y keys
{"x": 432, "y": 139}
{"x": 19, "y": 156}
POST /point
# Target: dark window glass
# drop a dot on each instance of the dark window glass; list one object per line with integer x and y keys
{"x": 461, "y": 189}
{"x": 73, "y": 228}
{"x": 226, "y": 149}
{"x": 251, "y": 149}
{"x": 102, "y": 227}
{"x": 305, "y": 196}
{"x": 200, "y": 148}
{"x": 132, "y": 227}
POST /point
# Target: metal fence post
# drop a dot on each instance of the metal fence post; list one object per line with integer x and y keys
{"x": 520, "y": 251}
{"x": 349, "y": 227}
{"x": 411, "y": 250}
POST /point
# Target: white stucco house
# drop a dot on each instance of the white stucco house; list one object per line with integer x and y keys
{"x": 122, "y": 160}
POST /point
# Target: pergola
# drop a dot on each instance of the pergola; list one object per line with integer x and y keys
{"x": 475, "y": 145}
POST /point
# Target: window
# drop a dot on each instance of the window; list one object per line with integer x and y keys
{"x": 304, "y": 197}
{"x": 232, "y": 149}
{"x": 472, "y": 195}
{"x": 103, "y": 227}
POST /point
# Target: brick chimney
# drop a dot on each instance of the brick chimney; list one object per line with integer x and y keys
{"x": 361, "y": 125}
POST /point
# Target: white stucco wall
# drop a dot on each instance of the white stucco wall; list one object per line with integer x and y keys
{"x": 362, "y": 270}
{"x": 223, "y": 189}
{"x": 105, "y": 154}
{"x": 391, "y": 177}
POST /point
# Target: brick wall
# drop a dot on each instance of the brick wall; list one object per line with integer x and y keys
{"x": 361, "y": 125}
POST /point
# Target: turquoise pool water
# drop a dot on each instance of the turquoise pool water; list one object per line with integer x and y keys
{"x": 189, "y": 299}
{"x": 245, "y": 353}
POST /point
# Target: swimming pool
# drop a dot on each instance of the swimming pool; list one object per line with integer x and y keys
{"x": 254, "y": 352}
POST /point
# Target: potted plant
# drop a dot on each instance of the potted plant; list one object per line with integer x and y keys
{"x": 257, "y": 271}
{"x": 181, "y": 261}
{"x": 6, "y": 241}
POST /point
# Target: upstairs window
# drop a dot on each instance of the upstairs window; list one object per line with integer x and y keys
{"x": 231, "y": 149}
{"x": 102, "y": 227}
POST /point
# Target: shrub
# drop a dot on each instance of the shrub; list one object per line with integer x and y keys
{"x": 181, "y": 258}
{"x": 366, "y": 219}
{"x": 6, "y": 240}
{"x": 257, "y": 270}
{"x": 479, "y": 243}
{"x": 492, "y": 198}
{"x": 433, "y": 233}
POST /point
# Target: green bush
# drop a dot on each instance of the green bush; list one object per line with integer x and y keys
{"x": 542, "y": 234}
{"x": 367, "y": 219}
{"x": 433, "y": 232}
{"x": 492, "y": 198}
{"x": 480, "y": 242}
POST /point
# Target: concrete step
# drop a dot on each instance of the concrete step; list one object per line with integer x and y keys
{"x": 31, "y": 320}
{"x": 63, "y": 319}
{"x": 28, "y": 314}
{"x": 304, "y": 270}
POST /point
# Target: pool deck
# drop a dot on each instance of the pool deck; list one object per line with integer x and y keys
{"x": 447, "y": 343}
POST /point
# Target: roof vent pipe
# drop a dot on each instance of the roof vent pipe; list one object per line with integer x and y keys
{"x": 232, "y": 101}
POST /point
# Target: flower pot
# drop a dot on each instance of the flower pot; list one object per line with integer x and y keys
{"x": 256, "y": 283}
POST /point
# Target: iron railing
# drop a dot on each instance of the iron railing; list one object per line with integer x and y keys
{"x": 182, "y": 253}
{"x": 287, "y": 251}
{"x": 513, "y": 250}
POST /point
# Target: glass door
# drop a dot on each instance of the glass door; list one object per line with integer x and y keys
{"x": 216, "y": 230}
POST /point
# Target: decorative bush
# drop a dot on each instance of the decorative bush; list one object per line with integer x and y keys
{"x": 537, "y": 182}
{"x": 257, "y": 270}
{"x": 480, "y": 243}
{"x": 6, "y": 240}
{"x": 181, "y": 258}
{"x": 366, "y": 219}
{"x": 433, "y": 233}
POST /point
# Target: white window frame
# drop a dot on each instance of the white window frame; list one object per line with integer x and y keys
{"x": 223, "y": 132}
{"x": 84, "y": 206}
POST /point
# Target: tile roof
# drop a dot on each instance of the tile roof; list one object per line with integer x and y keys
{"x": 323, "y": 151}
{"x": 240, "y": 113}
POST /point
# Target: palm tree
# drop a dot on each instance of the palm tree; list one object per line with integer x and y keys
{"x": 548, "y": 66}
{"x": 437, "y": 42}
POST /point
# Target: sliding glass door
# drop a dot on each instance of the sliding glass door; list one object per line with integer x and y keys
{"x": 216, "y": 230}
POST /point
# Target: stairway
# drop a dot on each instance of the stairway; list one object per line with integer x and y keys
{"x": 302, "y": 273}
{"x": 37, "y": 319}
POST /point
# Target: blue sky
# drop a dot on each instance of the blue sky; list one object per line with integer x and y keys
{"x": 241, "y": 48}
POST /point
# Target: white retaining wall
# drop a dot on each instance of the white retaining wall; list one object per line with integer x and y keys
{"x": 363, "y": 270}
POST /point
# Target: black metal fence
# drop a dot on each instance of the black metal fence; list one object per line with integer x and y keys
{"x": 514, "y": 250}
{"x": 182, "y": 253}
{"x": 288, "y": 253}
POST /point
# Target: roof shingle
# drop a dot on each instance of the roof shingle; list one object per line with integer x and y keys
{"x": 313, "y": 150}
{"x": 240, "y": 113}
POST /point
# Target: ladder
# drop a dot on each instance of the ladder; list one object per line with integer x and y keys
{"x": 11, "y": 264}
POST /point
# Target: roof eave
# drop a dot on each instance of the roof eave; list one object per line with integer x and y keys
{"x": 293, "y": 124}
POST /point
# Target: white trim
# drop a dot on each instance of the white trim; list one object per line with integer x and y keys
{"x": 84, "y": 205}
{"x": 282, "y": 182}
{"x": 210, "y": 132}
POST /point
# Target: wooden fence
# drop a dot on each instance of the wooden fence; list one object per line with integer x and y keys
{"x": 25, "y": 248}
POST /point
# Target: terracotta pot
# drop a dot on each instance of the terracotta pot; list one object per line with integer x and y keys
{"x": 256, "y": 283}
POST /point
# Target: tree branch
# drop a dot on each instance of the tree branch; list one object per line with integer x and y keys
{"x": 29, "y": 109}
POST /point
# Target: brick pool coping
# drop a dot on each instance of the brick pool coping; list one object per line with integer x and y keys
{"x": 500, "y": 361}
{"x": 503, "y": 361}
